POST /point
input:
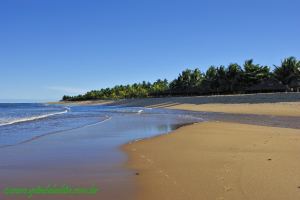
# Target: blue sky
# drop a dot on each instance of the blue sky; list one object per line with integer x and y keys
{"x": 53, "y": 47}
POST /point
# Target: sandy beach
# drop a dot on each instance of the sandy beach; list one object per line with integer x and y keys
{"x": 149, "y": 100}
{"x": 217, "y": 160}
{"x": 242, "y": 150}
{"x": 277, "y": 109}
{"x": 220, "y": 160}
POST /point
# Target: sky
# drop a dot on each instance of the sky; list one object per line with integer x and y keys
{"x": 49, "y": 48}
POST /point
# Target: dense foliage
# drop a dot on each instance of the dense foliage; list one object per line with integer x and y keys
{"x": 232, "y": 79}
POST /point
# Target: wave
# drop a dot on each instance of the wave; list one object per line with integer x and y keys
{"x": 140, "y": 111}
{"x": 100, "y": 122}
{"x": 34, "y": 117}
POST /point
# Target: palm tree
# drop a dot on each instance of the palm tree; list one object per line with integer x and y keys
{"x": 195, "y": 81}
{"x": 209, "y": 83}
{"x": 254, "y": 73}
{"x": 221, "y": 79}
{"x": 287, "y": 71}
{"x": 182, "y": 83}
{"x": 234, "y": 74}
{"x": 159, "y": 86}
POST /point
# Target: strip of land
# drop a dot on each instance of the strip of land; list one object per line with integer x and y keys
{"x": 218, "y": 160}
{"x": 278, "y": 104}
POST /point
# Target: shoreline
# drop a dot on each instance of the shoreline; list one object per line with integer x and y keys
{"x": 179, "y": 158}
{"x": 220, "y": 159}
{"x": 141, "y": 179}
{"x": 286, "y": 104}
{"x": 72, "y": 157}
{"x": 93, "y": 151}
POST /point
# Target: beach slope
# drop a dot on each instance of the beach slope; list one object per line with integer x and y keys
{"x": 218, "y": 160}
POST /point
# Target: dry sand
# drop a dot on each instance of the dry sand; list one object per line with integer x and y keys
{"x": 218, "y": 160}
{"x": 277, "y": 109}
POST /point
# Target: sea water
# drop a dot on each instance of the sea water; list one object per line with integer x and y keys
{"x": 22, "y": 122}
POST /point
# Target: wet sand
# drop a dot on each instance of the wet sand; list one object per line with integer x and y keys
{"x": 218, "y": 160}
{"x": 84, "y": 157}
{"x": 77, "y": 158}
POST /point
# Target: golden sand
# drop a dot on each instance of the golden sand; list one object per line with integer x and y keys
{"x": 278, "y": 109}
{"x": 218, "y": 160}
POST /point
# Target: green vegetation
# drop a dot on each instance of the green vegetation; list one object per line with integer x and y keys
{"x": 233, "y": 79}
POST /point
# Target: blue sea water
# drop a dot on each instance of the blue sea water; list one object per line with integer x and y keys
{"x": 22, "y": 122}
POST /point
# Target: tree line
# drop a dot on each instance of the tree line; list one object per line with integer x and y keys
{"x": 233, "y": 79}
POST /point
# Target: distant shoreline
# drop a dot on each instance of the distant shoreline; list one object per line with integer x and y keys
{"x": 287, "y": 104}
{"x": 230, "y": 98}
{"x": 224, "y": 99}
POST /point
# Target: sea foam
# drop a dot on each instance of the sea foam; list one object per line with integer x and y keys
{"x": 5, "y": 122}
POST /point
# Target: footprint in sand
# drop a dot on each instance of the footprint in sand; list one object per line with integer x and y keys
{"x": 149, "y": 161}
{"x": 227, "y": 170}
{"x": 227, "y": 188}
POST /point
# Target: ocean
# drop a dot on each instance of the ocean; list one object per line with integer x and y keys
{"x": 22, "y": 122}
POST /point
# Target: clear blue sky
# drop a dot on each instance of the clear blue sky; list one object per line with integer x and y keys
{"x": 53, "y": 47}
